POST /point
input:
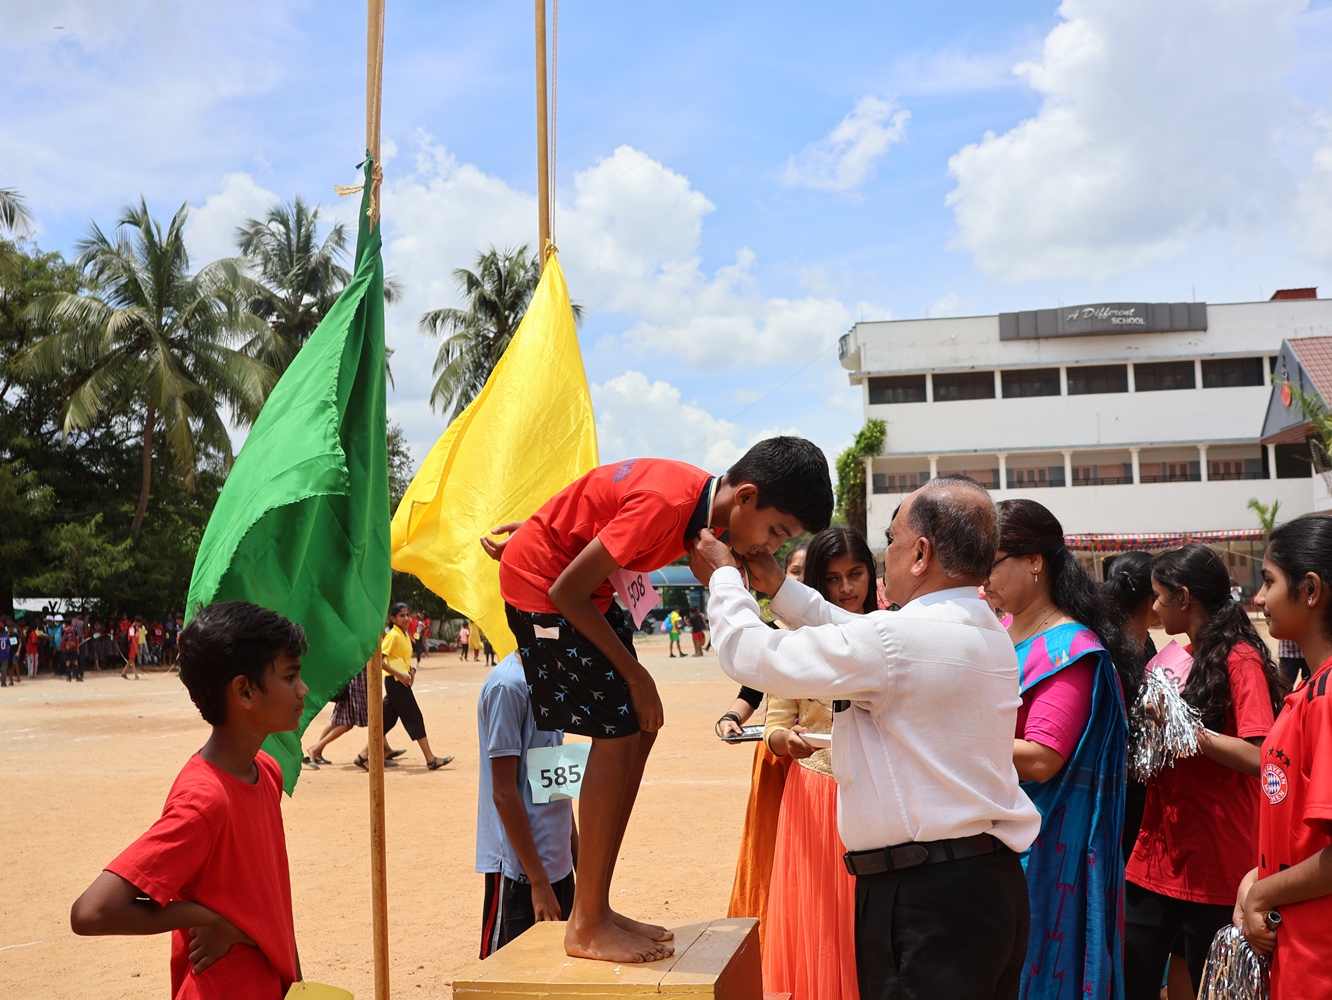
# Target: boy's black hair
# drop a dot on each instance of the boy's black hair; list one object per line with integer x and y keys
{"x": 792, "y": 475}
{"x": 230, "y": 639}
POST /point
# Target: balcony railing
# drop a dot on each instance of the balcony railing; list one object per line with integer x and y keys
{"x": 1216, "y": 476}
{"x": 1179, "y": 477}
{"x": 1103, "y": 480}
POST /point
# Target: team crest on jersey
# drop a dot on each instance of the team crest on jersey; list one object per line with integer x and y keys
{"x": 1274, "y": 782}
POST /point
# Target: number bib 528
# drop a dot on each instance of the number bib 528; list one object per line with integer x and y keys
{"x": 555, "y": 773}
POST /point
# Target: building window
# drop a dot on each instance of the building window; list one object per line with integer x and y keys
{"x": 898, "y": 482}
{"x": 1237, "y": 468}
{"x": 1115, "y": 474}
{"x": 1030, "y": 479}
{"x": 1031, "y": 382}
{"x": 1293, "y": 461}
{"x": 963, "y": 385}
{"x": 897, "y": 389}
{"x": 1170, "y": 472}
{"x": 1225, "y": 373}
{"x": 1091, "y": 379}
{"x": 1161, "y": 375}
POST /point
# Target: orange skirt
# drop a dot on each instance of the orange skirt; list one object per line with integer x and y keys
{"x": 753, "y": 870}
{"x": 811, "y": 950}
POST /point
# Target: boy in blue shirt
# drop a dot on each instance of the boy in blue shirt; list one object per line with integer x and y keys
{"x": 525, "y": 851}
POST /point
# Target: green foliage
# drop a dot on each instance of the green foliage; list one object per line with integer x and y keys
{"x": 82, "y": 560}
{"x": 1315, "y": 411}
{"x": 851, "y": 473}
{"x": 152, "y": 340}
{"x": 1266, "y": 513}
{"x": 476, "y": 337}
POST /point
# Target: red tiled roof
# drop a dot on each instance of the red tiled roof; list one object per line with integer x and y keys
{"x": 1315, "y": 354}
{"x": 1294, "y": 293}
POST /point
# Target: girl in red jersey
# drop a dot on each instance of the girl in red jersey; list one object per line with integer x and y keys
{"x": 1197, "y": 837}
{"x": 1294, "y": 873}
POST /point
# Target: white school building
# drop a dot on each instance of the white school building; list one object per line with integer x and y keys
{"x": 1140, "y": 425}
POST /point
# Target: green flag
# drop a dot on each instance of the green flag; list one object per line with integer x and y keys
{"x": 302, "y": 524}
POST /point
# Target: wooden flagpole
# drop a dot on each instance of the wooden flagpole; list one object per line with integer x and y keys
{"x": 374, "y": 687}
{"x": 543, "y": 145}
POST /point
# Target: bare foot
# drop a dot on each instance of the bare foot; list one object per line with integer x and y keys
{"x": 609, "y": 943}
{"x": 653, "y": 932}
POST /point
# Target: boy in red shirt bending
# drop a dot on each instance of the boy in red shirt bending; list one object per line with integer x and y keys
{"x": 214, "y": 867}
{"x": 577, "y": 647}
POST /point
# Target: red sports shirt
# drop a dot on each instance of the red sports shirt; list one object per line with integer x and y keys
{"x": 639, "y": 509}
{"x": 1200, "y": 821}
{"x": 220, "y": 843}
{"x": 1295, "y": 823}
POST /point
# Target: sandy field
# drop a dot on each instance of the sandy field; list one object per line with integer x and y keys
{"x": 86, "y": 768}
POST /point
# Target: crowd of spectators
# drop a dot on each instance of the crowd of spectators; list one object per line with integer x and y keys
{"x": 67, "y": 645}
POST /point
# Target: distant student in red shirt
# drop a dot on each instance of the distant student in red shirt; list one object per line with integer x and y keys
{"x": 577, "y": 645}
{"x": 214, "y": 867}
{"x": 1201, "y": 816}
{"x": 1294, "y": 873}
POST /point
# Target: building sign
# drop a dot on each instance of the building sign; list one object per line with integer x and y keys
{"x": 1108, "y": 317}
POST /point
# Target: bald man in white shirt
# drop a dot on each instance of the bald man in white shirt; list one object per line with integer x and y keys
{"x": 926, "y": 702}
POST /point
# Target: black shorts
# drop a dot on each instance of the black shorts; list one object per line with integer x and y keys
{"x": 507, "y": 910}
{"x": 572, "y": 686}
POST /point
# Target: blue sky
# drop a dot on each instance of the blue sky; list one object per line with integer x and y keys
{"x": 737, "y": 183}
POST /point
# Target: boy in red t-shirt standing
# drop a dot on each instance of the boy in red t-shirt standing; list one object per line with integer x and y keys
{"x": 576, "y": 644}
{"x": 214, "y": 866}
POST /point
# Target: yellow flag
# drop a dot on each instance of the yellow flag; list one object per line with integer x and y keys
{"x": 529, "y": 434}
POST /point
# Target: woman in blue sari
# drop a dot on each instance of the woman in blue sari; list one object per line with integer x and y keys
{"x": 1070, "y": 751}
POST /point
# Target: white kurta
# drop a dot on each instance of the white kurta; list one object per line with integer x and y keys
{"x": 925, "y": 752}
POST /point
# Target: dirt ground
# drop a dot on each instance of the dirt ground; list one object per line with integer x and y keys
{"x": 86, "y": 768}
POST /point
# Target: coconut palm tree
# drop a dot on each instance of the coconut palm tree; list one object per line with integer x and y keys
{"x": 156, "y": 340}
{"x": 476, "y": 337}
{"x": 14, "y": 215}
{"x": 297, "y": 276}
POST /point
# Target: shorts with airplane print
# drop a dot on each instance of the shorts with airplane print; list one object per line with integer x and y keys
{"x": 572, "y": 686}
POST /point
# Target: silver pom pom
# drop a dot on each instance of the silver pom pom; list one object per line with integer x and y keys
{"x": 1168, "y": 727}
{"x": 1234, "y": 971}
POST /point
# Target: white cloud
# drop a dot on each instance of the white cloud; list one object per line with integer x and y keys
{"x": 946, "y": 305}
{"x": 210, "y": 232}
{"x": 636, "y": 417}
{"x": 630, "y": 239}
{"x": 1313, "y": 213}
{"x": 846, "y": 157}
{"x": 1159, "y": 123}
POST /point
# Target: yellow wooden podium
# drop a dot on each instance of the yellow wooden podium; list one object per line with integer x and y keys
{"x": 717, "y": 959}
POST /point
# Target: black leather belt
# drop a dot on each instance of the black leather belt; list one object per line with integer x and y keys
{"x": 916, "y": 855}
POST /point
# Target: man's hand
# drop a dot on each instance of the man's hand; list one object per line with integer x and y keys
{"x": 765, "y": 573}
{"x": 544, "y": 903}
{"x": 709, "y": 555}
{"x": 495, "y": 546}
{"x": 212, "y": 940}
{"x": 647, "y": 704}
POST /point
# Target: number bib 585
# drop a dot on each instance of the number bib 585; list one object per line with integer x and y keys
{"x": 555, "y": 773}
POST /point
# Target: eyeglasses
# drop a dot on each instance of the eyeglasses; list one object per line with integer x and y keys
{"x": 998, "y": 561}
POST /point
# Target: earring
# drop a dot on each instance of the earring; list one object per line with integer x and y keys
{"x": 1035, "y": 578}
